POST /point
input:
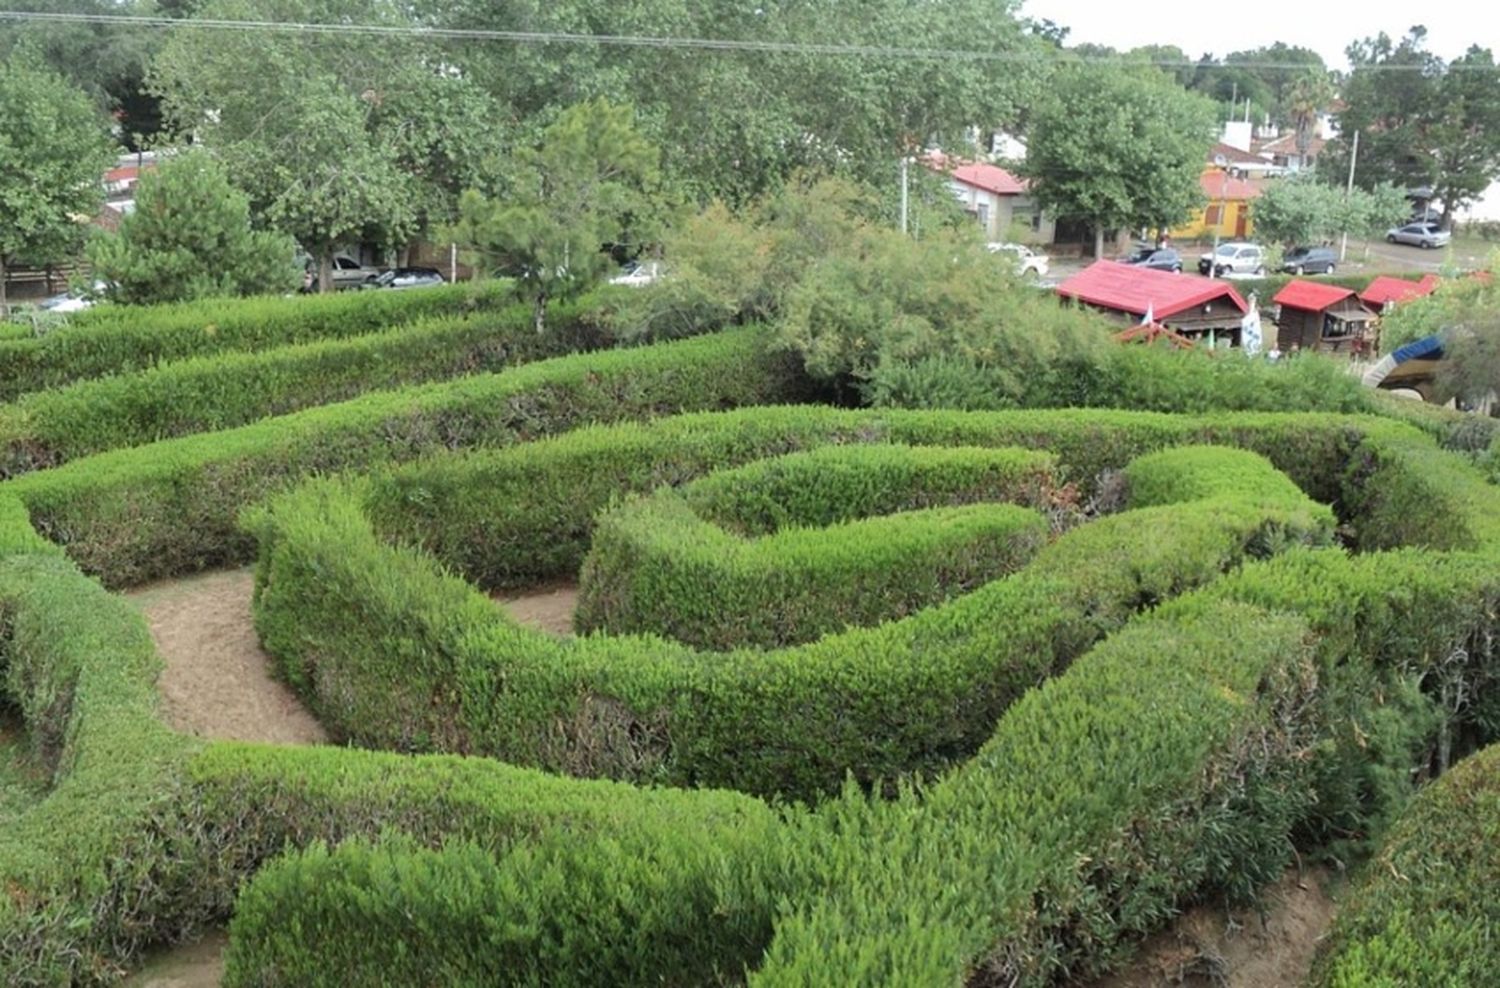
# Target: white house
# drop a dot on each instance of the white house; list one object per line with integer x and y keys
{"x": 999, "y": 200}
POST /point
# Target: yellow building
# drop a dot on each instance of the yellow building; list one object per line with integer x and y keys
{"x": 1227, "y": 210}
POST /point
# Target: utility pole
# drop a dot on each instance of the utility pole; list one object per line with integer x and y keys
{"x": 1349, "y": 191}
{"x": 904, "y": 165}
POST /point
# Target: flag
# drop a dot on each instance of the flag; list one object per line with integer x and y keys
{"x": 1148, "y": 318}
{"x": 1250, "y": 337}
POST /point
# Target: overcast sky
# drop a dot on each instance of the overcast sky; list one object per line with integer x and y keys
{"x": 1326, "y": 26}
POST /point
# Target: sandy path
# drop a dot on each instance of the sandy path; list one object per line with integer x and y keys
{"x": 1210, "y": 947}
{"x": 217, "y": 682}
{"x": 548, "y": 609}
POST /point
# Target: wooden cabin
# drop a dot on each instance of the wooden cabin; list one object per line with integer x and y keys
{"x": 1313, "y": 316}
{"x": 1203, "y": 310}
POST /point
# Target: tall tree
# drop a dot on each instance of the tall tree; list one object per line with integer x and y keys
{"x": 53, "y": 153}
{"x": 593, "y": 181}
{"x": 334, "y": 136}
{"x": 1302, "y": 210}
{"x": 1119, "y": 148}
{"x": 1421, "y": 122}
{"x": 190, "y": 237}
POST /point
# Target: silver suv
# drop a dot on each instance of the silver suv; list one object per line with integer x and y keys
{"x": 1233, "y": 258}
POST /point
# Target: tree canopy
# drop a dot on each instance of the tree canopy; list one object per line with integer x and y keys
{"x": 592, "y": 182}
{"x": 1302, "y": 210}
{"x": 1421, "y": 122}
{"x": 53, "y": 153}
{"x": 1119, "y": 147}
{"x": 190, "y": 237}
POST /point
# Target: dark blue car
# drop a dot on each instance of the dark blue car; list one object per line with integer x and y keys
{"x": 1156, "y": 258}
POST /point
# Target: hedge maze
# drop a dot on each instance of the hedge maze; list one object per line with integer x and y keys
{"x": 858, "y": 696}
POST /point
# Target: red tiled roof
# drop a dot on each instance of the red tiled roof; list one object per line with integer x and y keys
{"x": 125, "y": 174}
{"x": 990, "y": 178}
{"x": 1126, "y": 288}
{"x": 1311, "y": 296}
{"x": 1217, "y": 185}
{"x": 1387, "y": 289}
{"x": 1287, "y": 144}
{"x": 1233, "y": 155}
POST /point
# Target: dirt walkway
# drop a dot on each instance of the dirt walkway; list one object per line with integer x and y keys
{"x": 1209, "y": 947}
{"x": 191, "y": 965}
{"x": 217, "y": 682}
{"x": 548, "y": 608}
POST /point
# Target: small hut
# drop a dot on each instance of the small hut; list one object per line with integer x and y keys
{"x": 1313, "y": 316}
{"x": 1198, "y": 309}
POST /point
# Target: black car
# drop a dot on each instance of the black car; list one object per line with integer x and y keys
{"x": 1310, "y": 260}
{"x": 407, "y": 278}
{"x": 1156, "y": 258}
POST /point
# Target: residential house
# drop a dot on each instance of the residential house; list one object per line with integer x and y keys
{"x": 1315, "y": 316}
{"x": 1227, "y": 212}
{"x": 1241, "y": 164}
{"x": 1283, "y": 151}
{"x": 999, "y": 200}
{"x": 1382, "y": 294}
{"x": 1200, "y": 309}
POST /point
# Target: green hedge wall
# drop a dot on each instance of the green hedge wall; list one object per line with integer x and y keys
{"x": 119, "y": 339}
{"x": 226, "y": 390}
{"x": 87, "y": 871}
{"x": 168, "y": 508}
{"x": 377, "y": 638}
{"x": 1426, "y": 912}
{"x": 657, "y": 565}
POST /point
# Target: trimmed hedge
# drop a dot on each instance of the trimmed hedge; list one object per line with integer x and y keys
{"x": 118, "y": 339}
{"x": 1426, "y": 912}
{"x": 227, "y": 390}
{"x": 1164, "y": 760}
{"x": 524, "y": 515}
{"x": 87, "y": 871}
{"x": 658, "y": 565}
{"x": 132, "y": 515}
{"x": 391, "y": 652}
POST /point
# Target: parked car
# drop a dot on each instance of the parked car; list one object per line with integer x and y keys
{"x": 1310, "y": 260}
{"x": 407, "y": 278}
{"x": 1428, "y": 235}
{"x": 1156, "y": 258}
{"x": 1029, "y": 264}
{"x": 76, "y": 300}
{"x": 349, "y": 273}
{"x": 638, "y": 274}
{"x": 1235, "y": 257}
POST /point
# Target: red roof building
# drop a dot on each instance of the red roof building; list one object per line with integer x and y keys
{"x": 1194, "y": 307}
{"x": 1386, "y": 291}
{"x": 1311, "y": 295}
{"x": 1314, "y": 316}
{"x": 1218, "y": 186}
{"x": 990, "y": 178}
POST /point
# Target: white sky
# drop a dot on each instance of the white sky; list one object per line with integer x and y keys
{"x": 1222, "y": 26}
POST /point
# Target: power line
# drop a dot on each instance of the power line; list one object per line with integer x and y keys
{"x": 648, "y": 41}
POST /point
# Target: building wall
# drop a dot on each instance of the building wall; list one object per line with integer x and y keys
{"x": 1228, "y": 215}
{"x": 996, "y": 213}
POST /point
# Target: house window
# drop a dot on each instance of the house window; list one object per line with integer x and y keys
{"x": 983, "y": 211}
{"x": 1214, "y": 215}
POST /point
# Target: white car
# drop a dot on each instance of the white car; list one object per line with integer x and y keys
{"x": 1029, "y": 264}
{"x": 1234, "y": 257}
{"x": 638, "y": 274}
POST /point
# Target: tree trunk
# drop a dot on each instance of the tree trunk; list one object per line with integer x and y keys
{"x": 325, "y": 270}
{"x": 1098, "y": 240}
{"x": 539, "y": 314}
{"x": 4, "y": 304}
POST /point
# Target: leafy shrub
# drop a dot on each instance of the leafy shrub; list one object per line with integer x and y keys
{"x": 227, "y": 390}
{"x": 1426, "y": 912}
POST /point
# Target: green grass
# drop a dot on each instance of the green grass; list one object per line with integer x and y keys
{"x": 20, "y": 784}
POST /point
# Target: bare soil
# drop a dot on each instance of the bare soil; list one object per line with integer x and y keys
{"x": 1269, "y": 946}
{"x": 217, "y": 682}
{"x": 190, "y": 965}
{"x": 548, "y": 608}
